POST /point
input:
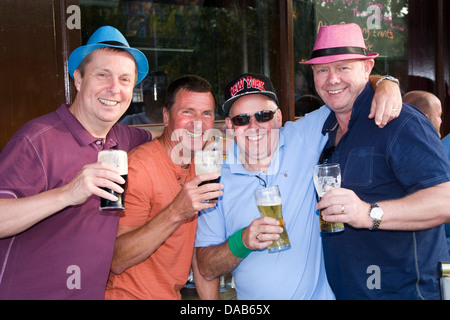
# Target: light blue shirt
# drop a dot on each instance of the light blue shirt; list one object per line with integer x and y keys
{"x": 296, "y": 273}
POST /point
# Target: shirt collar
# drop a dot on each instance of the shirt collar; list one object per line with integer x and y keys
{"x": 361, "y": 107}
{"x": 80, "y": 133}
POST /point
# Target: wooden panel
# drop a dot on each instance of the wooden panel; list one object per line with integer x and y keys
{"x": 32, "y": 79}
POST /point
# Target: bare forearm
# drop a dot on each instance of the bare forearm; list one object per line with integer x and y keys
{"x": 206, "y": 289}
{"x": 216, "y": 261}
{"x": 421, "y": 210}
{"x": 17, "y": 215}
{"x": 135, "y": 246}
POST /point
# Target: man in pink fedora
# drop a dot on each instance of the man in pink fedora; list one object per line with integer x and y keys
{"x": 394, "y": 179}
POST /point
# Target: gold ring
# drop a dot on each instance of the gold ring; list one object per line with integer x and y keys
{"x": 394, "y": 109}
{"x": 342, "y": 209}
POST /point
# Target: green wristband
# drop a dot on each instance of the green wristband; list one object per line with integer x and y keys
{"x": 237, "y": 246}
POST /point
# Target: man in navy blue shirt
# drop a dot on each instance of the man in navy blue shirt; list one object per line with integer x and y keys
{"x": 392, "y": 179}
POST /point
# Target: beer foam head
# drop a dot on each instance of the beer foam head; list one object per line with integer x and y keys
{"x": 117, "y": 158}
{"x": 208, "y": 161}
{"x": 268, "y": 196}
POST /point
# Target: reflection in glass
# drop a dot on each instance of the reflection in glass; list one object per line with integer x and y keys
{"x": 215, "y": 39}
{"x": 384, "y": 25}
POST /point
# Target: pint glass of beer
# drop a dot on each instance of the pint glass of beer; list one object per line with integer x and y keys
{"x": 268, "y": 201}
{"x": 118, "y": 158}
{"x": 208, "y": 161}
{"x": 325, "y": 176}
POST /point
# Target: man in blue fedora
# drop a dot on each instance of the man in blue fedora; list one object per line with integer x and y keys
{"x": 55, "y": 243}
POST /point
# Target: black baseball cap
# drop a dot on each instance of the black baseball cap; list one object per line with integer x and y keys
{"x": 245, "y": 84}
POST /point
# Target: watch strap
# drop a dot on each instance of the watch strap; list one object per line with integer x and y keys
{"x": 376, "y": 222}
{"x": 390, "y": 78}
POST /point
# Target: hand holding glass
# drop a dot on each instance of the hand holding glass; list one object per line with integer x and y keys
{"x": 118, "y": 158}
{"x": 325, "y": 176}
{"x": 208, "y": 161}
{"x": 268, "y": 201}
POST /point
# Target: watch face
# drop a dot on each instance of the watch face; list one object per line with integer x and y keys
{"x": 376, "y": 213}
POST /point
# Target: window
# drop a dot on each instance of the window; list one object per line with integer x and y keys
{"x": 217, "y": 40}
{"x": 384, "y": 25}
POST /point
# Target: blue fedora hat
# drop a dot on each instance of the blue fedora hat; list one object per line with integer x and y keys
{"x": 108, "y": 36}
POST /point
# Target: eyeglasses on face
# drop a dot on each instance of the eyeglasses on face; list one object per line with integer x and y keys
{"x": 261, "y": 116}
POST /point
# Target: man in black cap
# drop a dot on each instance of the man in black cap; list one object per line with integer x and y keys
{"x": 232, "y": 236}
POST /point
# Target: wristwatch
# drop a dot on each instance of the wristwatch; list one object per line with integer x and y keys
{"x": 376, "y": 213}
{"x": 390, "y": 78}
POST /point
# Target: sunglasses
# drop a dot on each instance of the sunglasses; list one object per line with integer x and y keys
{"x": 261, "y": 116}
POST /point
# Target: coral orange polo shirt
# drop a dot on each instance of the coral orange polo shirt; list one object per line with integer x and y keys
{"x": 153, "y": 182}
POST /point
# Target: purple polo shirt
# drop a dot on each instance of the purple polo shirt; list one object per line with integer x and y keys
{"x": 69, "y": 254}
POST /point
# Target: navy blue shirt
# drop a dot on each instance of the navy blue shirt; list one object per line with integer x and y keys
{"x": 382, "y": 164}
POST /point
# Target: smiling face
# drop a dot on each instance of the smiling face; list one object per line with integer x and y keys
{"x": 258, "y": 140}
{"x": 105, "y": 90}
{"x": 340, "y": 83}
{"x": 188, "y": 119}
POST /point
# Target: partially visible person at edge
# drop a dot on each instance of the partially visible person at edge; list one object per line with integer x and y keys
{"x": 431, "y": 106}
{"x": 428, "y": 103}
{"x": 55, "y": 242}
{"x": 395, "y": 179}
{"x": 155, "y": 240}
{"x": 232, "y": 236}
{"x": 446, "y": 143}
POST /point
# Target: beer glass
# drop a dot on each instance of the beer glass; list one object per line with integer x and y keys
{"x": 208, "y": 161}
{"x": 325, "y": 176}
{"x": 268, "y": 201}
{"x": 119, "y": 159}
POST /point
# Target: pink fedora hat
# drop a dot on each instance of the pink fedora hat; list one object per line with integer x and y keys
{"x": 339, "y": 42}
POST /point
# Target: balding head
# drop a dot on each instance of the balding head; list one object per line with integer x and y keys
{"x": 428, "y": 103}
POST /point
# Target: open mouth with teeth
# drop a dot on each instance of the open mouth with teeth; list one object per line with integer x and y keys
{"x": 110, "y": 103}
{"x": 193, "y": 134}
{"x": 333, "y": 92}
{"x": 254, "y": 138}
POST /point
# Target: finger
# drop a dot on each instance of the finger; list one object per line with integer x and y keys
{"x": 387, "y": 116}
{"x": 264, "y": 237}
{"x": 205, "y": 205}
{"x": 205, "y": 177}
{"x": 106, "y": 195}
{"x": 258, "y": 245}
{"x": 108, "y": 178}
{"x": 267, "y": 221}
{"x": 269, "y": 230}
{"x": 377, "y": 111}
{"x": 106, "y": 171}
{"x": 108, "y": 184}
{"x": 373, "y": 107}
{"x": 210, "y": 196}
{"x": 380, "y": 119}
{"x": 210, "y": 187}
{"x": 107, "y": 166}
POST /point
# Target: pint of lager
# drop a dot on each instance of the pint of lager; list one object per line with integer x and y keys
{"x": 268, "y": 201}
{"x": 208, "y": 161}
{"x": 120, "y": 160}
{"x": 327, "y": 175}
